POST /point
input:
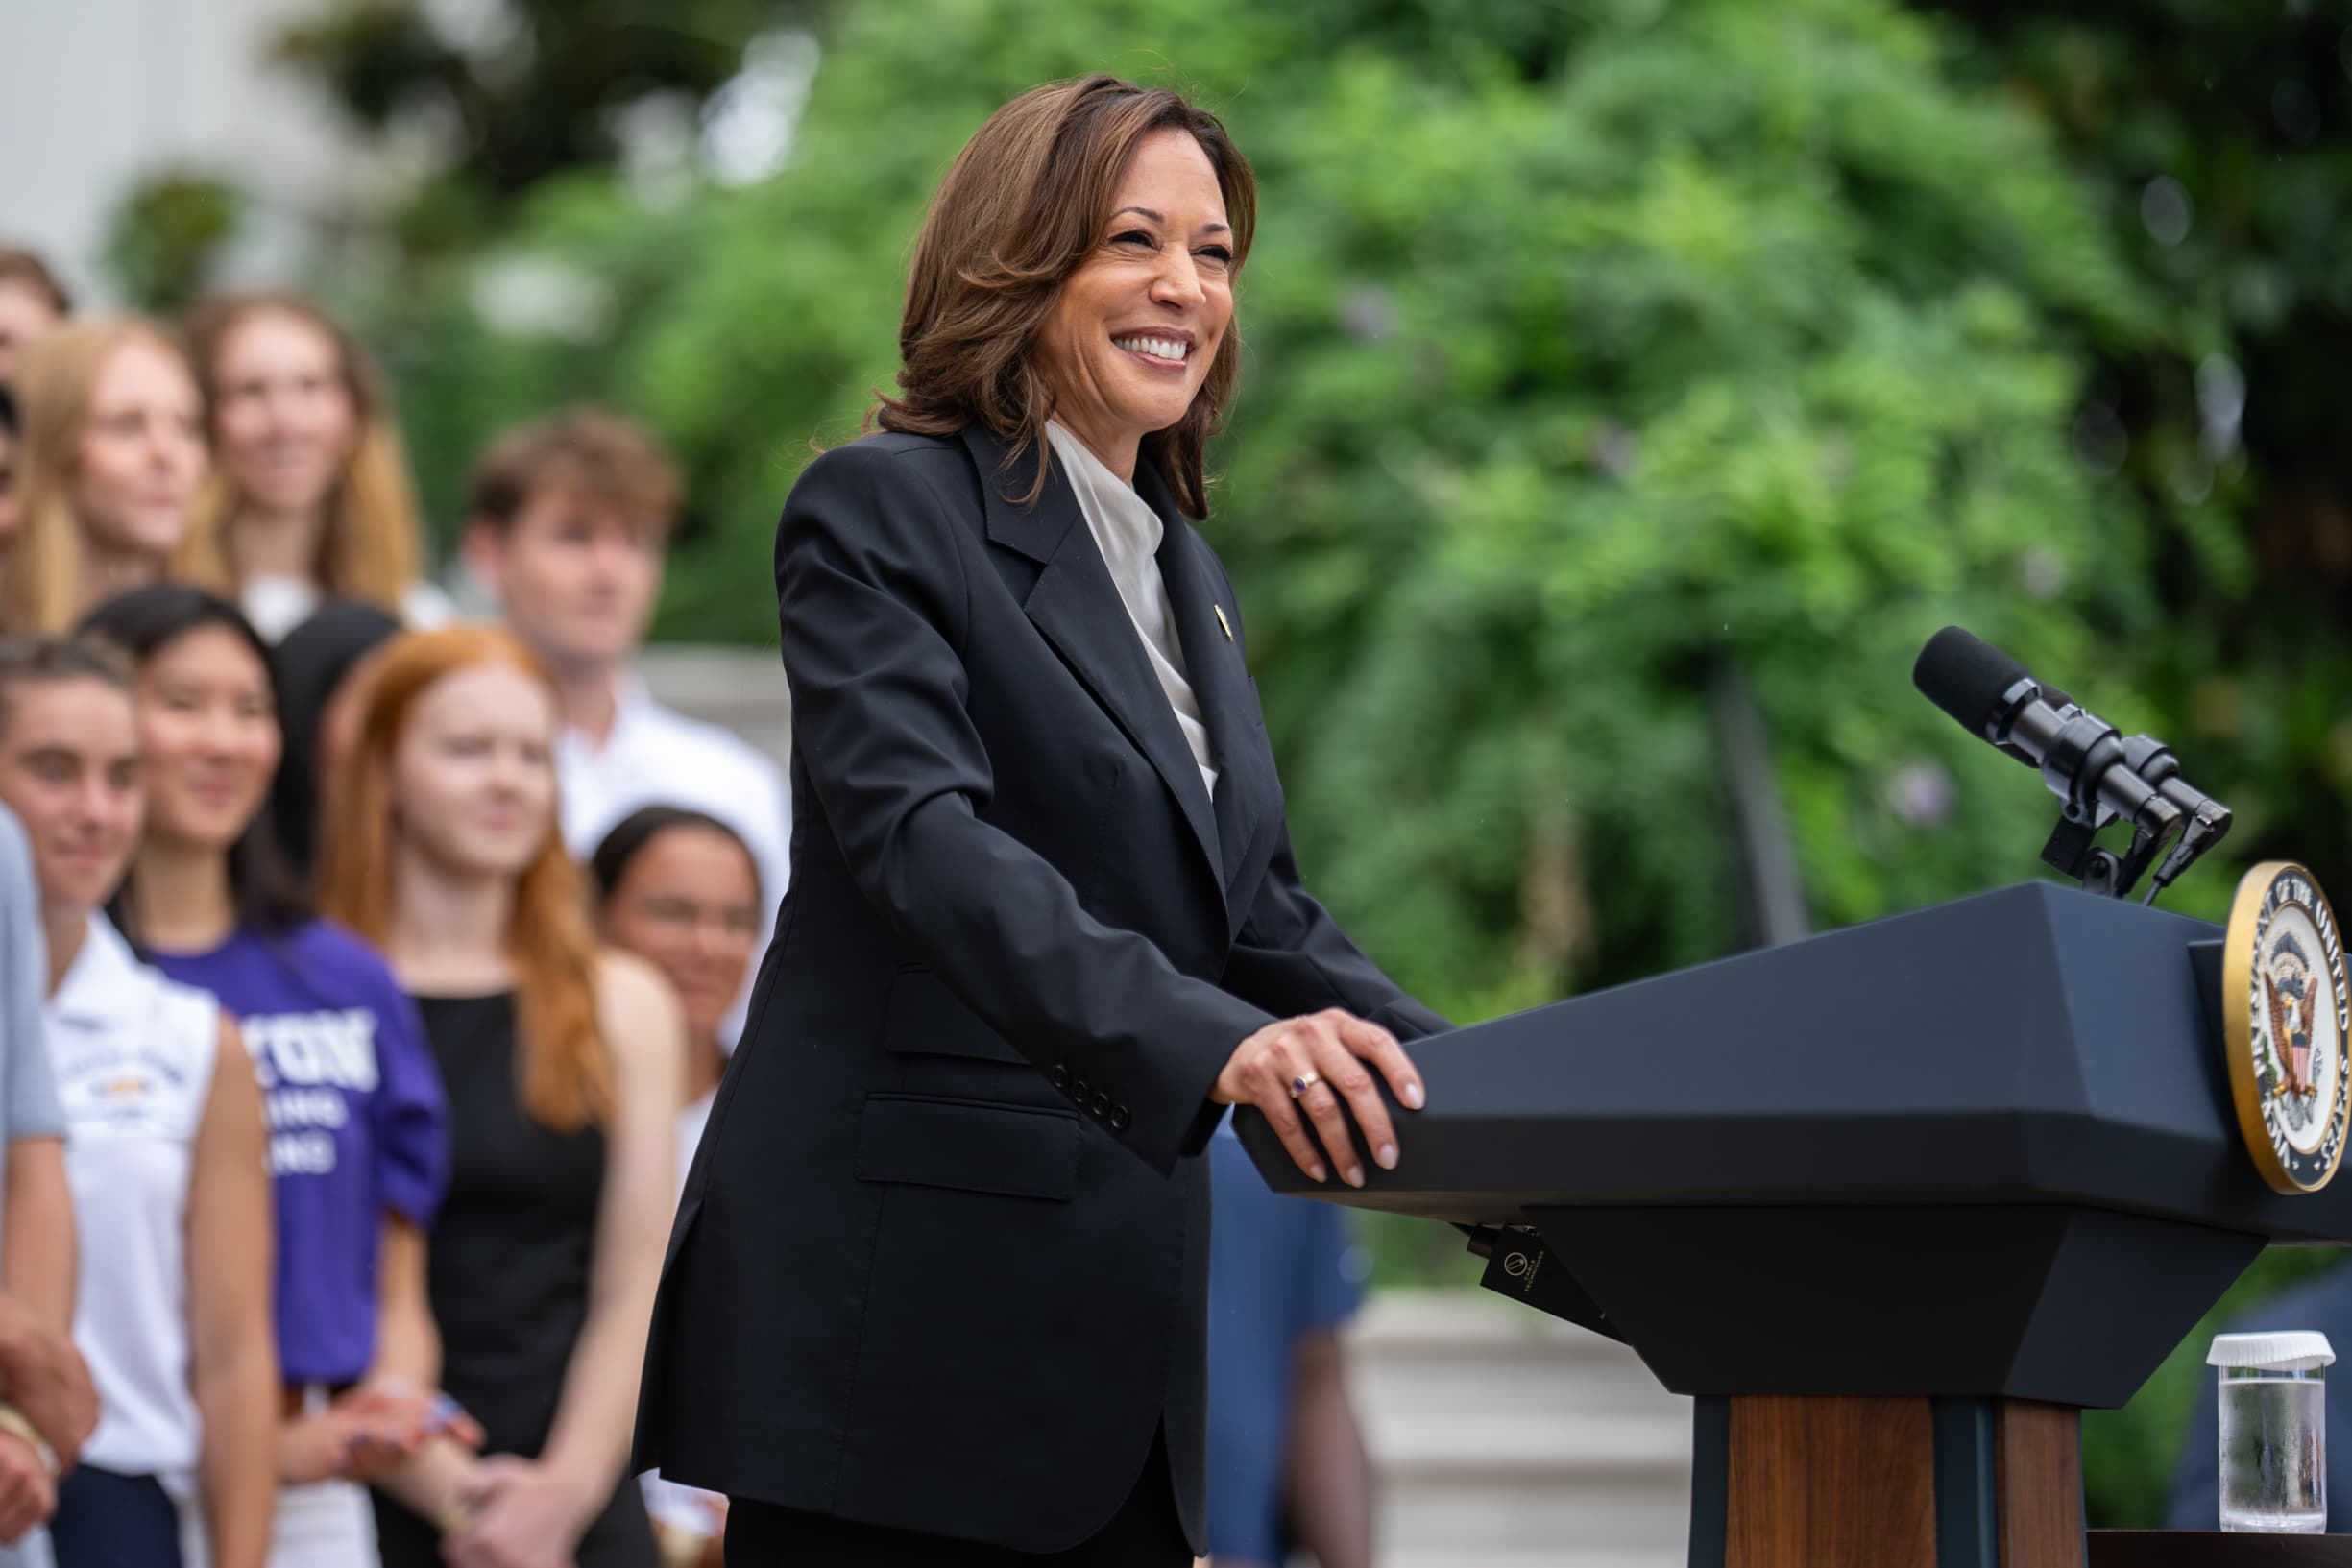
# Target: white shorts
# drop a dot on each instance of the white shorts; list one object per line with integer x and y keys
{"x": 325, "y": 1524}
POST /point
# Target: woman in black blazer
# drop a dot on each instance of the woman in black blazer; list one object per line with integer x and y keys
{"x": 934, "y": 1293}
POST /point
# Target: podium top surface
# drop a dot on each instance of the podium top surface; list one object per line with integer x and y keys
{"x": 2030, "y": 1045}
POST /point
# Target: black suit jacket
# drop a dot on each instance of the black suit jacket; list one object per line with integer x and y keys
{"x": 941, "y": 1258}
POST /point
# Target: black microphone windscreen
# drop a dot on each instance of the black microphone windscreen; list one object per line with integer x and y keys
{"x": 1965, "y": 676}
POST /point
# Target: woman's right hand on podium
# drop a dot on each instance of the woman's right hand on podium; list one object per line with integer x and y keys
{"x": 1309, "y": 1064}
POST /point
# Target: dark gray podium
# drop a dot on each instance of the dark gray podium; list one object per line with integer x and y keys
{"x": 1895, "y": 1203}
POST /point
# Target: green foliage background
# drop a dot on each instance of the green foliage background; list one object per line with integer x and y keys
{"x": 1610, "y": 368}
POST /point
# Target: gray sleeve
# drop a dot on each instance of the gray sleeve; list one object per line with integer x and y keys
{"x": 30, "y": 1108}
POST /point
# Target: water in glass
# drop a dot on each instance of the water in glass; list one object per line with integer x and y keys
{"x": 2273, "y": 1466}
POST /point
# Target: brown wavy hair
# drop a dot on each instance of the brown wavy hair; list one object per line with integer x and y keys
{"x": 372, "y": 548}
{"x": 565, "y": 1077}
{"x": 42, "y": 589}
{"x": 1021, "y": 207}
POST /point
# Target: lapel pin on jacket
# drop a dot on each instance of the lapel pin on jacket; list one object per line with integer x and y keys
{"x": 1223, "y": 623}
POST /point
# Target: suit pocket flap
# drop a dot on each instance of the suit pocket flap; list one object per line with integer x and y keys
{"x": 1014, "y": 1150}
{"x": 924, "y": 1018}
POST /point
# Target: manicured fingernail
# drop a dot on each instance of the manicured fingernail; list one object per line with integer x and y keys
{"x": 1413, "y": 1096}
{"x": 1317, "y": 1171}
{"x": 1387, "y": 1156}
{"x": 1355, "y": 1175}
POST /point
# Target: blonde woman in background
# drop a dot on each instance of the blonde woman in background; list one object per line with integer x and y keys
{"x": 113, "y": 453}
{"x": 310, "y": 498}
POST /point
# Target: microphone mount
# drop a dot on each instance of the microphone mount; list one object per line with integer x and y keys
{"x": 2099, "y": 775}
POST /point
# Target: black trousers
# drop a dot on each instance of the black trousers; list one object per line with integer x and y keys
{"x": 1143, "y": 1533}
{"x": 106, "y": 1520}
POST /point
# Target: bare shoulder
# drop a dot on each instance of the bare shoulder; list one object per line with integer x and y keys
{"x": 643, "y": 1023}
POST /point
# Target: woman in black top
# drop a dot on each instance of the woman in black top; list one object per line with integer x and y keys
{"x": 561, "y": 1063}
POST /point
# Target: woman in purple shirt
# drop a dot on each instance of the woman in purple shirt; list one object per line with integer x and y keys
{"x": 355, "y": 1118}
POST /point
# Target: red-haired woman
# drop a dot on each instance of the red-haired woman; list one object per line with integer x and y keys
{"x": 562, "y": 1066}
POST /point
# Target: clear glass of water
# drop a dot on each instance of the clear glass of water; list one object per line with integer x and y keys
{"x": 2273, "y": 1393}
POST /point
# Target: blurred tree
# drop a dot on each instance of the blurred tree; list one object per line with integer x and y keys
{"x": 166, "y": 237}
{"x": 1630, "y": 356}
{"x": 2215, "y": 140}
{"x": 533, "y": 89}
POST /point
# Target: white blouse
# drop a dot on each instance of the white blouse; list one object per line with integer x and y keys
{"x": 1128, "y": 532}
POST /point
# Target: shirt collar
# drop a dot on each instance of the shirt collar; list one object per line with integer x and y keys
{"x": 103, "y": 986}
{"x": 1107, "y": 500}
{"x": 632, "y": 704}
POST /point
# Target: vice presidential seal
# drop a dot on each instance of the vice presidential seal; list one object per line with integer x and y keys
{"x": 2285, "y": 1026}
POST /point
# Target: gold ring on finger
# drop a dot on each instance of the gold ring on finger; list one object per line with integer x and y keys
{"x": 1305, "y": 1082}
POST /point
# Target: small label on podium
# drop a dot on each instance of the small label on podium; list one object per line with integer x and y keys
{"x": 1523, "y": 1268}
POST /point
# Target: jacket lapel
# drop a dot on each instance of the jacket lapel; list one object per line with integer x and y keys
{"x": 1075, "y": 606}
{"x": 1220, "y": 677}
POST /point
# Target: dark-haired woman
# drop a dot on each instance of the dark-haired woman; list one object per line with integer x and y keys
{"x": 680, "y": 888}
{"x": 935, "y": 1290}
{"x": 354, "y": 1103}
{"x": 319, "y": 665}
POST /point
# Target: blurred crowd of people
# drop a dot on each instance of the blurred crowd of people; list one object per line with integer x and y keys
{"x": 367, "y": 972}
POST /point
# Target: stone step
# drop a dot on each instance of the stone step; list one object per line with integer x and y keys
{"x": 1504, "y": 1440}
{"x": 1536, "y": 1557}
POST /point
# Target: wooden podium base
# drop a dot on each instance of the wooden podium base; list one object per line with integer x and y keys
{"x": 1801, "y": 1482}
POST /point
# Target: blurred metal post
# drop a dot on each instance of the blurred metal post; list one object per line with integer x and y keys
{"x": 1775, "y": 892}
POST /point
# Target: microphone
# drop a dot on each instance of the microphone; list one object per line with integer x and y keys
{"x": 2082, "y": 758}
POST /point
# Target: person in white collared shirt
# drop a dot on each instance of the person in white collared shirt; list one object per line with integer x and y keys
{"x": 568, "y": 520}
{"x": 164, "y": 1158}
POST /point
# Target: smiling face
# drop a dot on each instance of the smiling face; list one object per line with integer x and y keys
{"x": 142, "y": 453}
{"x": 208, "y": 724}
{"x": 284, "y": 416}
{"x": 70, "y": 769}
{"x": 689, "y": 902}
{"x": 1134, "y": 329}
{"x": 473, "y": 774}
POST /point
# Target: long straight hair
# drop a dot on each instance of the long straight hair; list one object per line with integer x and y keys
{"x": 42, "y": 588}
{"x": 1020, "y": 208}
{"x": 372, "y": 549}
{"x": 565, "y": 1077}
{"x": 141, "y": 625}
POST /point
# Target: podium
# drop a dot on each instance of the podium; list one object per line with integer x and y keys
{"x": 1894, "y": 1205}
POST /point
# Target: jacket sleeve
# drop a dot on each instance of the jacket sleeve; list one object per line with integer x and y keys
{"x": 1291, "y": 957}
{"x": 872, "y": 576}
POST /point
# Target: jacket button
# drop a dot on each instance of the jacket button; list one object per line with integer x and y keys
{"x": 1077, "y": 1090}
{"x": 1101, "y": 1103}
{"x": 1119, "y": 1119}
{"x": 1061, "y": 1077}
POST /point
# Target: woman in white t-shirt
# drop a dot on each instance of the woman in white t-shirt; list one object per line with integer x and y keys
{"x": 309, "y": 498}
{"x": 164, "y": 1156}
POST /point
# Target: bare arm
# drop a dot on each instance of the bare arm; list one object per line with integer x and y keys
{"x": 37, "y": 1260}
{"x": 233, "y": 1358}
{"x": 1330, "y": 1476}
{"x": 644, "y": 1033}
{"x": 437, "y": 1478}
{"x": 525, "y": 1510}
